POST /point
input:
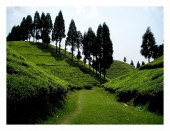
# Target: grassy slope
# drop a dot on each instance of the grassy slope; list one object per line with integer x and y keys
{"x": 158, "y": 63}
{"x": 140, "y": 87}
{"x": 97, "y": 106}
{"x": 37, "y": 80}
{"x": 118, "y": 68}
{"x": 54, "y": 64}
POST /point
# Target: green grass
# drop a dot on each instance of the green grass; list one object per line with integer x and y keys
{"x": 157, "y": 63}
{"x": 97, "y": 106}
{"x": 118, "y": 68}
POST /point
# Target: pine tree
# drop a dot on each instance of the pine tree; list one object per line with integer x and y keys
{"x": 15, "y": 34}
{"x": 143, "y": 63}
{"x": 107, "y": 51}
{"x": 47, "y": 27}
{"x": 131, "y": 63}
{"x": 90, "y": 45}
{"x": 42, "y": 24}
{"x": 99, "y": 42}
{"x": 72, "y": 37}
{"x": 148, "y": 44}
{"x": 124, "y": 59}
{"x": 138, "y": 65}
{"x": 84, "y": 60}
{"x": 58, "y": 30}
{"x": 37, "y": 26}
{"x": 79, "y": 44}
{"x": 161, "y": 50}
{"x": 23, "y": 29}
{"x": 85, "y": 47}
{"x": 29, "y": 27}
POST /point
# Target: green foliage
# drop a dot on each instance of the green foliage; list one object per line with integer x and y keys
{"x": 117, "y": 69}
{"x": 157, "y": 63}
{"x": 148, "y": 44}
{"x": 37, "y": 80}
{"x": 37, "y": 25}
{"x": 146, "y": 84}
{"x": 31, "y": 92}
{"x": 72, "y": 36}
{"x": 59, "y": 30}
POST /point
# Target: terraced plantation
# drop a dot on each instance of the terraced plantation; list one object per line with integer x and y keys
{"x": 118, "y": 68}
{"x": 34, "y": 73}
{"x": 46, "y": 88}
{"x": 141, "y": 87}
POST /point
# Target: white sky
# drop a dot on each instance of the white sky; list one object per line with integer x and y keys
{"x": 126, "y": 24}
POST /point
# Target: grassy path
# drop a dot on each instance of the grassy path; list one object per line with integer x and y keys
{"x": 97, "y": 106}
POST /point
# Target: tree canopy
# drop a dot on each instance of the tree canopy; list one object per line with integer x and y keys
{"x": 59, "y": 30}
{"x": 148, "y": 44}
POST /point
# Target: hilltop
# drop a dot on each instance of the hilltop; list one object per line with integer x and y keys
{"x": 118, "y": 68}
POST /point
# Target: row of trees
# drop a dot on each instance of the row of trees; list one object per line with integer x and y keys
{"x": 149, "y": 49}
{"x": 97, "y": 48}
{"x": 132, "y": 64}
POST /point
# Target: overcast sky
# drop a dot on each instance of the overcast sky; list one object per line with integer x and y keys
{"x": 127, "y": 24}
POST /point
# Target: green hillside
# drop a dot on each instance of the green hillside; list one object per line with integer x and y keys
{"x": 140, "y": 87}
{"x": 118, "y": 68}
{"x": 38, "y": 79}
{"x": 157, "y": 63}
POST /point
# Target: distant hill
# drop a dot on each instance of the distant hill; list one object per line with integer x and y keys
{"x": 118, "y": 68}
{"x": 157, "y": 63}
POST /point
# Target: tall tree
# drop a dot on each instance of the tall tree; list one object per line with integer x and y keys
{"x": 161, "y": 49}
{"x": 124, "y": 59}
{"x": 47, "y": 30}
{"x": 58, "y": 30}
{"x": 90, "y": 43}
{"x": 148, "y": 44}
{"x": 37, "y": 27}
{"x": 86, "y": 49}
{"x": 138, "y": 65}
{"x": 98, "y": 43}
{"x": 79, "y": 44}
{"x": 29, "y": 27}
{"x": 107, "y": 51}
{"x": 84, "y": 60}
{"x": 23, "y": 29}
{"x": 72, "y": 36}
{"x": 42, "y": 24}
{"x": 15, "y": 34}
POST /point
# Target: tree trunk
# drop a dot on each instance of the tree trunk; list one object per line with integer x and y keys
{"x": 148, "y": 60}
{"x": 65, "y": 50}
{"x": 104, "y": 73}
{"x": 93, "y": 63}
{"x": 56, "y": 47}
{"x": 59, "y": 46}
{"x": 96, "y": 65}
{"x": 89, "y": 66}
